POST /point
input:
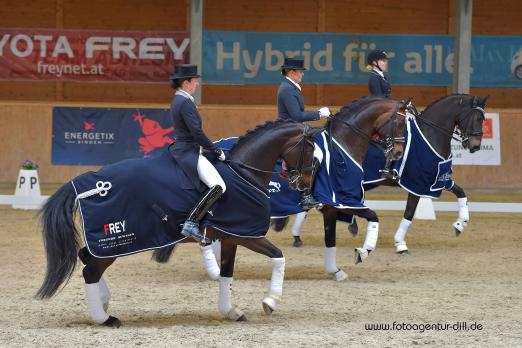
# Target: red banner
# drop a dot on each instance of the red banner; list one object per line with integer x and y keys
{"x": 90, "y": 55}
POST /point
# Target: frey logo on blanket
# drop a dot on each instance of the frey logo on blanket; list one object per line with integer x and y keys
{"x": 114, "y": 227}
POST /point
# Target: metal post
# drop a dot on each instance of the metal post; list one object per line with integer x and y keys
{"x": 462, "y": 47}
{"x": 196, "y": 40}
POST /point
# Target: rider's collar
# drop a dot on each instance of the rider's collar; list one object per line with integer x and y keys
{"x": 184, "y": 94}
{"x": 295, "y": 83}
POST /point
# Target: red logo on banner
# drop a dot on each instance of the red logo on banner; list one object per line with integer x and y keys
{"x": 86, "y": 55}
{"x": 154, "y": 135}
{"x": 487, "y": 129}
{"x": 88, "y": 126}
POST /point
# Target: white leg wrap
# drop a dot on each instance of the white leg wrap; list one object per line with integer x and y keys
{"x": 298, "y": 223}
{"x": 216, "y": 248}
{"x": 372, "y": 233}
{"x": 94, "y": 302}
{"x": 463, "y": 209}
{"x": 210, "y": 262}
{"x": 402, "y": 230}
{"x": 105, "y": 294}
{"x": 278, "y": 275}
{"x": 225, "y": 295}
{"x": 330, "y": 265}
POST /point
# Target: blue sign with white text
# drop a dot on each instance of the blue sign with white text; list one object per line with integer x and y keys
{"x": 340, "y": 58}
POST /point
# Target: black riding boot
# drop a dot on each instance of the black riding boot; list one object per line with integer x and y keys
{"x": 308, "y": 201}
{"x": 191, "y": 226}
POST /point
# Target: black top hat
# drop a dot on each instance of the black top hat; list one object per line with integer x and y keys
{"x": 293, "y": 64}
{"x": 376, "y": 55}
{"x": 185, "y": 71}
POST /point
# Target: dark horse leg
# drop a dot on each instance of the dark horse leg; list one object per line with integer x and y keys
{"x": 261, "y": 246}
{"x": 329, "y": 219}
{"x": 96, "y": 288}
{"x": 330, "y": 253}
{"x": 372, "y": 233}
{"x": 462, "y": 200}
{"x": 400, "y": 234}
{"x": 278, "y": 224}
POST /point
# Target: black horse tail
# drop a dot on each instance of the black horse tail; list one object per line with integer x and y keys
{"x": 279, "y": 224}
{"x": 163, "y": 255}
{"x": 60, "y": 238}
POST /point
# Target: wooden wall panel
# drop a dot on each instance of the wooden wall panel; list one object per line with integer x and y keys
{"x": 267, "y": 15}
{"x": 27, "y": 90}
{"x": 500, "y": 17}
{"x": 126, "y": 14}
{"x": 385, "y": 16}
{"x": 117, "y": 92}
{"x": 28, "y": 14}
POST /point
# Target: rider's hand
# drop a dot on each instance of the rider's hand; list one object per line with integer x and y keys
{"x": 220, "y": 155}
{"x": 324, "y": 112}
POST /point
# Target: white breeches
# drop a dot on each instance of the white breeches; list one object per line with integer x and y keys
{"x": 208, "y": 174}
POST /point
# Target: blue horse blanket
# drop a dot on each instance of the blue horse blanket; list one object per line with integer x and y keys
{"x": 422, "y": 170}
{"x": 145, "y": 206}
{"x": 338, "y": 183}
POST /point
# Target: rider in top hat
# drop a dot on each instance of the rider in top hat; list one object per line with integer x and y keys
{"x": 290, "y": 106}
{"x": 186, "y": 150}
{"x": 378, "y": 65}
{"x": 380, "y": 87}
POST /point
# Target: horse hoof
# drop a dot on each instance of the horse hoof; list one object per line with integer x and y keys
{"x": 401, "y": 248}
{"x": 340, "y": 275}
{"x": 360, "y": 255}
{"x": 236, "y": 314}
{"x": 459, "y": 226}
{"x": 354, "y": 230}
{"x": 269, "y": 305}
{"x": 112, "y": 322}
{"x": 298, "y": 242}
{"x": 403, "y": 252}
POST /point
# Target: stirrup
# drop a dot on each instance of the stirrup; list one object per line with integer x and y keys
{"x": 308, "y": 202}
{"x": 191, "y": 229}
{"x": 389, "y": 174}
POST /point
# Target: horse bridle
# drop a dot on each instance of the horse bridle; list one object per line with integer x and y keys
{"x": 388, "y": 143}
{"x": 457, "y": 133}
{"x": 293, "y": 175}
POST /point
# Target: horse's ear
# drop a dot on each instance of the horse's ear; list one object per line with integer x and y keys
{"x": 483, "y": 101}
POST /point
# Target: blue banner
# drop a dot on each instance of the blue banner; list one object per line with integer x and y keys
{"x": 340, "y": 58}
{"x": 99, "y": 136}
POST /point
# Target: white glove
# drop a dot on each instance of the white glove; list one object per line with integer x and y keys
{"x": 220, "y": 155}
{"x": 324, "y": 112}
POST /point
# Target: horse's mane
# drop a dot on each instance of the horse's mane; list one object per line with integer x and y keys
{"x": 356, "y": 103}
{"x": 444, "y": 97}
{"x": 267, "y": 126}
{"x": 352, "y": 106}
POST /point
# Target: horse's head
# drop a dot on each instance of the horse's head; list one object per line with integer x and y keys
{"x": 389, "y": 125}
{"x": 469, "y": 122}
{"x": 298, "y": 156}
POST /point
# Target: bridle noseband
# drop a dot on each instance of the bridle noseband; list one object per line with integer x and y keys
{"x": 457, "y": 133}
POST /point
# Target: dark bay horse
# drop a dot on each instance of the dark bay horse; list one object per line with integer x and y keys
{"x": 458, "y": 116}
{"x": 352, "y": 130}
{"x": 256, "y": 152}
